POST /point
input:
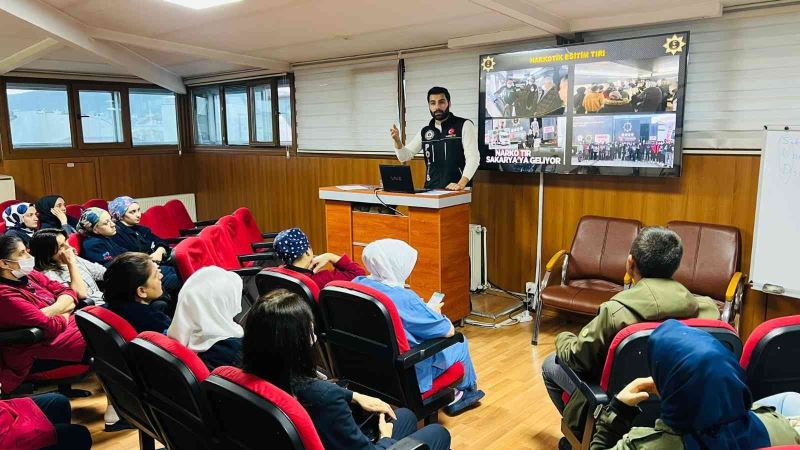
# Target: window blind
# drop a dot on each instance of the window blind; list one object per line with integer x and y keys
{"x": 347, "y": 109}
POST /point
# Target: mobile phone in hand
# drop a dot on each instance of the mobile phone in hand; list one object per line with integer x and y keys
{"x": 436, "y": 298}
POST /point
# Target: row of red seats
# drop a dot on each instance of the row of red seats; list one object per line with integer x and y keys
{"x": 166, "y": 391}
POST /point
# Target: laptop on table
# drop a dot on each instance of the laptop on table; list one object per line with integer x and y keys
{"x": 397, "y": 178}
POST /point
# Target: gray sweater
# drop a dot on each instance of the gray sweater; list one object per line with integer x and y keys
{"x": 90, "y": 272}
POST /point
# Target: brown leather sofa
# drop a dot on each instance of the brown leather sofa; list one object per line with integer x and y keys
{"x": 592, "y": 271}
{"x": 711, "y": 263}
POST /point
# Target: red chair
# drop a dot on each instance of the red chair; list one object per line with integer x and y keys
{"x": 250, "y": 230}
{"x": 7, "y": 203}
{"x": 160, "y": 223}
{"x": 96, "y": 203}
{"x": 170, "y": 375}
{"x": 181, "y": 218}
{"x": 108, "y": 336}
{"x": 3, "y": 227}
{"x": 74, "y": 211}
{"x": 191, "y": 255}
{"x": 627, "y": 360}
{"x": 219, "y": 240}
{"x": 75, "y": 240}
{"x": 771, "y": 356}
{"x": 243, "y": 248}
{"x": 370, "y": 351}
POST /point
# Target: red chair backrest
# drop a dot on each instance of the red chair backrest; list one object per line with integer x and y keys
{"x": 217, "y": 238}
{"x": 7, "y": 203}
{"x": 74, "y": 211}
{"x": 160, "y": 222}
{"x": 235, "y": 230}
{"x": 191, "y": 255}
{"x": 771, "y": 356}
{"x": 96, "y": 203}
{"x": 170, "y": 375}
{"x": 239, "y": 399}
{"x": 180, "y": 216}
{"x": 107, "y": 335}
{"x": 75, "y": 240}
{"x": 249, "y": 229}
{"x": 3, "y": 227}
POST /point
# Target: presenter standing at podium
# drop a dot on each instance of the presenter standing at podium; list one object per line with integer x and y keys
{"x": 450, "y": 144}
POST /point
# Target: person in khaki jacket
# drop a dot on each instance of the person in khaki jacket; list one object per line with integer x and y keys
{"x": 654, "y": 257}
{"x": 705, "y": 402}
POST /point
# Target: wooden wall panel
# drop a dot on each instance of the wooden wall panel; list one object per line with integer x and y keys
{"x": 29, "y": 177}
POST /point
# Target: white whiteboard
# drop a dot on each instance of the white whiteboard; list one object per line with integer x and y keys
{"x": 776, "y": 237}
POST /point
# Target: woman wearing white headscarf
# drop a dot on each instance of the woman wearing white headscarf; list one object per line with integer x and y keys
{"x": 203, "y": 321}
{"x": 390, "y": 262}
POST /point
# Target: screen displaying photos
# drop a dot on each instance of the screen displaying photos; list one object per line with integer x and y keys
{"x": 605, "y": 108}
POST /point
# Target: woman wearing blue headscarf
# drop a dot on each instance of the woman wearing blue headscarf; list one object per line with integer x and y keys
{"x": 705, "y": 402}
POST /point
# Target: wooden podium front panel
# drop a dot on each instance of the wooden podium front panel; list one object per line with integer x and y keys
{"x": 338, "y": 227}
{"x": 369, "y": 227}
{"x": 442, "y": 239}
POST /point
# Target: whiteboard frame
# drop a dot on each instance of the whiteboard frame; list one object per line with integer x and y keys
{"x": 760, "y": 286}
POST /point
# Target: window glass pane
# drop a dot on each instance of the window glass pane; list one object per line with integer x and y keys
{"x": 236, "y": 119}
{"x": 101, "y": 116}
{"x": 262, "y": 98}
{"x": 39, "y": 115}
{"x": 153, "y": 117}
{"x": 207, "y": 118}
{"x": 285, "y": 112}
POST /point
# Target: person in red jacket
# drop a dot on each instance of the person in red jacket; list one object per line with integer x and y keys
{"x": 30, "y": 299}
{"x": 41, "y": 422}
{"x": 293, "y": 248}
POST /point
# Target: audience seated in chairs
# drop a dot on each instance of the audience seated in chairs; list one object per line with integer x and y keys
{"x": 654, "y": 257}
{"x": 57, "y": 260}
{"x": 21, "y": 221}
{"x": 390, "y": 262}
{"x": 134, "y": 237}
{"x": 30, "y": 299}
{"x": 41, "y": 422}
{"x": 204, "y": 319}
{"x": 52, "y": 210}
{"x": 132, "y": 289}
{"x": 278, "y": 346}
{"x": 705, "y": 402}
{"x": 99, "y": 246}
{"x": 293, "y": 248}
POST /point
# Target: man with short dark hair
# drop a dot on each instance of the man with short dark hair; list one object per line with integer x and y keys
{"x": 654, "y": 257}
{"x": 450, "y": 144}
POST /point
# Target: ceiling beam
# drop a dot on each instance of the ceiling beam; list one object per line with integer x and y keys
{"x": 699, "y": 9}
{"x": 28, "y": 55}
{"x": 68, "y": 29}
{"x": 498, "y": 37}
{"x": 527, "y": 13}
{"x": 186, "y": 49}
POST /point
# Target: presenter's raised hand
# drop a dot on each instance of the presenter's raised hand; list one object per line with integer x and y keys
{"x": 396, "y": 137}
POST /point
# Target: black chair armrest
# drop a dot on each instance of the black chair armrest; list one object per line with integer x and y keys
{"x": 247, "y": 271}
{"x": 177, "y": 240}
{"x": 205, "y": 223}
{"x": 268, "y": 235}
{"x": 191, "y": 231}
{"x": 409, "y": 443}
{"x": 261, "y": 245}
{"x": 427, "y": 349}
{"x": 21, "y": 336}
{"x": 593, "y": 392}
{"x": 256, "y": 257}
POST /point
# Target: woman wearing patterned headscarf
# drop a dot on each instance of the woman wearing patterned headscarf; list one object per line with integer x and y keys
{"x": 705, "y": 402}
{"x": 134, "y": 237}
{"x": 21, "y": 221}
{"x": 98, "y": 246}
{"x": 293, "y": 248}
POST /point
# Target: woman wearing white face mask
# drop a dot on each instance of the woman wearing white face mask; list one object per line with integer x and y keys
{"x": 30, "y": 299}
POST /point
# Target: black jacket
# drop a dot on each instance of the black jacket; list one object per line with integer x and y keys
{"x": 100, "y": 249}
{"x": 138, "y": 238}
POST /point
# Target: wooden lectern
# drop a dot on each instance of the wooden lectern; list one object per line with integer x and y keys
{"x": 437, "y": 226}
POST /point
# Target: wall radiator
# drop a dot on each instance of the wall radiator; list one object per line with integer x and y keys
{"x": 187, "y": 199}
{"x": 478, "y": 271}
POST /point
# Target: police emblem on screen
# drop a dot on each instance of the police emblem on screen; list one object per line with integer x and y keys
{"x": 674, "y": 45}
{"x": 487, "y": 64}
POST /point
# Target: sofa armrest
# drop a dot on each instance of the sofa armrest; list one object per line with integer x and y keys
{"x": 21, "y": 336}
{"x": 736, "y": 279}
{"x": 427, "y": 349}
{"x": 554, "y": 260}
